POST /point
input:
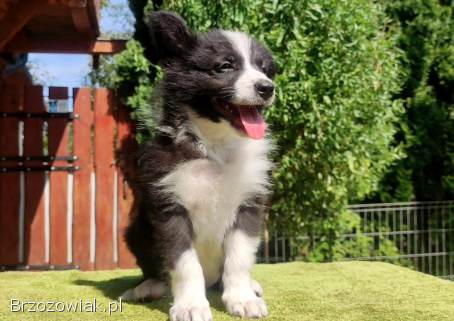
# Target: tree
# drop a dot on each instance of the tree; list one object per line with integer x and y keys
{"x": 427, "y": 127}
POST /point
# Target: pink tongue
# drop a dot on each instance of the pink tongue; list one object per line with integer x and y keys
{"x": 252, "y": 121}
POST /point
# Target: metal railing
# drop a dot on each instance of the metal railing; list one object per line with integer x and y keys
{"x": 422, "y": 234}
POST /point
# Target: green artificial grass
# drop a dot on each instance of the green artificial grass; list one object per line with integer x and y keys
{"x": 346, "y": 291}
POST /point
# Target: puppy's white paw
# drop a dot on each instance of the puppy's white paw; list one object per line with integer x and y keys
{"x": 257, "y": 288}
{"x": 128, "y": 295}
{"x": 193, "y": 312}
{"x": 255, "y": 308}
{"x": 245, "y": 304}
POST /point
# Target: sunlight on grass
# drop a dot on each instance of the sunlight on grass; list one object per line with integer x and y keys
{"x": 349, "y": 291}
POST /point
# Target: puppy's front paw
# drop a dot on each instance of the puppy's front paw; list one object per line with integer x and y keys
{"x": 190, "y": 312}
{"x": 245, "y": 304}
{"x": 257, "y": 288}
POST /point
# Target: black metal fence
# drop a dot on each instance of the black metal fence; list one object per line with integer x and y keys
{"x": 422, "y": 234}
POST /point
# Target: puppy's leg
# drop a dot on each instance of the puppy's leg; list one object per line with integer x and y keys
{"x": 257, "y": 288}
{"x": 181, "y": 261}
{"x": 188, "y": 288}
{"x": 149, "y": 288}
{"x": 242, "y": 294}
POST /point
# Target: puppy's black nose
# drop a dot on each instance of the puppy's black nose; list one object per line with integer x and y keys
{"x": 264, "y": 88}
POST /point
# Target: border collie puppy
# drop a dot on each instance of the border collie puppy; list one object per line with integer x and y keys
{"x": 204, "y": 177}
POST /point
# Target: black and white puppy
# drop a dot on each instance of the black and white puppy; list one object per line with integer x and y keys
{"x": 204, "y": 177}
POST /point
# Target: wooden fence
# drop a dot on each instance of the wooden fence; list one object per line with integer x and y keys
{"x": 64, "y": 201}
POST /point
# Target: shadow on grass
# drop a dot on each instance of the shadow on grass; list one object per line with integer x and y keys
{"x": 113, "y": 288}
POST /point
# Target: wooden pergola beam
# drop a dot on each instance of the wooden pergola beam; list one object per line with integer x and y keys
{"x": 81, "y": 17}
{"x": 16, "y": 18}
{"x": 74, "y": 44}
{"x": 108, "y": 46}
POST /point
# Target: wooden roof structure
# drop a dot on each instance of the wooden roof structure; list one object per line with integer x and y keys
{"x": 53, "y": 26}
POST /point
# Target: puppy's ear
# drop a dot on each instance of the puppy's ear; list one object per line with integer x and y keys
{"x": 170, "y": 36}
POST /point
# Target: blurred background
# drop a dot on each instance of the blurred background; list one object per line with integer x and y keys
{"x": 363, "y": 120}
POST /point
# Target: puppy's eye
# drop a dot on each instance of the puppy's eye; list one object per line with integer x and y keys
{"x": 224, "y": 67}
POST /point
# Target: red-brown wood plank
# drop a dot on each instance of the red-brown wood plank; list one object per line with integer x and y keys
{"x": 19, "y": 14}
{"x": 10, "y": 97}
{"x": 126, "y": 148}
{"x": 104, "y": 167}
{"x": 58, "y": 145}
{"x": 82, "y": 196}
{"x": 34, "y": 240}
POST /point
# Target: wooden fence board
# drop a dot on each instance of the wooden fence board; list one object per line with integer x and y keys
{"x": 104, "y": 167}
{"x": 10, "y": 100}
{"x": 34, "y": 239}
{"x": 58, "y": 145}
{"x": 82, "y": 188}
{"x": 126, "y": 146}
{"x": 95, "y": 153}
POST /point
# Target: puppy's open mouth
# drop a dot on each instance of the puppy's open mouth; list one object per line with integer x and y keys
{"x": 245, "y": 118}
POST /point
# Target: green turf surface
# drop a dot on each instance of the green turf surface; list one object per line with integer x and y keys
{"x": 347, "y": 291}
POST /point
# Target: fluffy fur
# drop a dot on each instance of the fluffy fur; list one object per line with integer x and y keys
{"x": 202, "y": 182}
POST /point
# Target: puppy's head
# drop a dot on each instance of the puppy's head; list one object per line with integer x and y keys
{"x": 223, "y": 76}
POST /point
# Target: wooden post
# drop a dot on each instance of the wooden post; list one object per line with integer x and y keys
{"x": 104, "y": 168}
{"x": 83, "y": 149}
{"x": 34, "y": 181}
{"x": 58, "y": 145}
{"x": 9, "y": 182}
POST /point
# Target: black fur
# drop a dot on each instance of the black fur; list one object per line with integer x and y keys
{"x": 251, "y": 216}
{"x": 160, "y": 230}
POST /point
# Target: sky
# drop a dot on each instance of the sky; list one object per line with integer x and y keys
{"x": 70, "y": 70}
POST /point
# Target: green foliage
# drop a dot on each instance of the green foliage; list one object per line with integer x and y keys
{"x": 129, "y": 73}
{"x": 427, "y": 40}
{"x": 333, "y": 120}
{"x": 357, "y": 246}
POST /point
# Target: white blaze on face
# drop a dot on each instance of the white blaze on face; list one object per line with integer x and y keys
{"x": 245, "y": 93}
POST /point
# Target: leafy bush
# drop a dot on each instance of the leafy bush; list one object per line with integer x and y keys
{"x": 333, "y": 120}
{"x": 427, "y": 39}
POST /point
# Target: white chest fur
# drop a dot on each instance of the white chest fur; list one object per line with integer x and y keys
{"x": 213, "y": 188}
